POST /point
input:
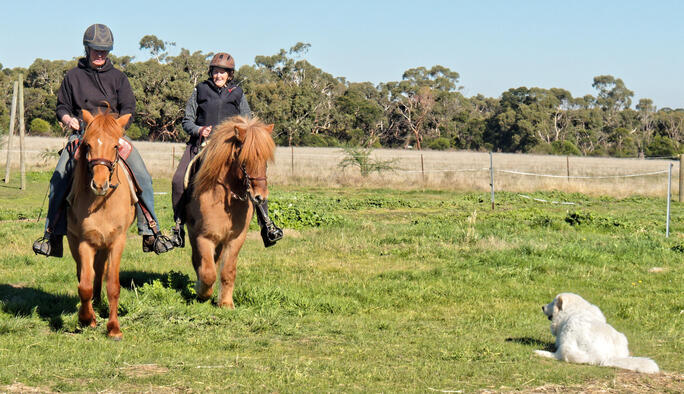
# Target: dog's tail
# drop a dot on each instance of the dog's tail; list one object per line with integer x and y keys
{"x": 638, "y": 364}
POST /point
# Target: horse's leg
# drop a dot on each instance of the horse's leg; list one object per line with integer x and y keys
{"x": 85, "y": 274}
{"x": 228, "y": 264}
{"x": 205, "y": 268}
{"x": 114, "y": 288}
{"x": 100, "y": 265}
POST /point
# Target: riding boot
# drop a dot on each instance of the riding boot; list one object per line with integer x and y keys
{"x": 49, "y": 244}
{"x": 178, "y": 234}
{"x": 270, "y": 233}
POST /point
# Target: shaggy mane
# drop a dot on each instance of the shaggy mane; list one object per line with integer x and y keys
{"x": 222, "y": 145}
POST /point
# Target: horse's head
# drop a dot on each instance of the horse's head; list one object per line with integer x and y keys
{"x": 255, "y": 147}
{"x": 239, "y": 149}
{"x": 100, "y": 148}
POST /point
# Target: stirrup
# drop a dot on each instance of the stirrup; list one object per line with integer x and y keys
{"x": 157, "y": 243}
{"x": 49, "y": 245}
{"x": 178, "y": 236}
{"x": 270, "y": 234}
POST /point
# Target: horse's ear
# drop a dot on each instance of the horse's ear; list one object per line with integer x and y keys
{"x": 269, "y": 128}
{"x": 87, "y": 116}
{"x": 240, "y": 133}
{"x": 123, "y": 120}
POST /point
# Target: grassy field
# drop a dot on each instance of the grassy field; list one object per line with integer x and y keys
{"x": 371, "y": 290}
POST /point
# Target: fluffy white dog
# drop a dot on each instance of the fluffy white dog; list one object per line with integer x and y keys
{"x": 583, "y": 336}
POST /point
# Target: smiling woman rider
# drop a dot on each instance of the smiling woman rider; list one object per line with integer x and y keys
{"x": 212, "y": 101}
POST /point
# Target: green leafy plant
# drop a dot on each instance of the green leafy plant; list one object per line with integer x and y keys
{"x": 360, "y": 157}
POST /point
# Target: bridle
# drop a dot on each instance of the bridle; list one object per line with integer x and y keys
{"x": 111, "y": 166}
{"x": 247, "y": 181}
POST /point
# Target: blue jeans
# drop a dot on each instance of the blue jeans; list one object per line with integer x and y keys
{"x": 60, "y": 184}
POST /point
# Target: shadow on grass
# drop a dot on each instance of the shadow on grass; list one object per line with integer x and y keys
{"x": 132, "y": 279}
{"x": 541, "y": 345}
{"x": 22, "y": 301}
{"x": 171, "y": 280}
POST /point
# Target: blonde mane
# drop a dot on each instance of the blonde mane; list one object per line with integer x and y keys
{"x": 223, "y": 144}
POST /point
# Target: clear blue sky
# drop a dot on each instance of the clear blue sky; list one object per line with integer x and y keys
{"x": 493, "y": 45}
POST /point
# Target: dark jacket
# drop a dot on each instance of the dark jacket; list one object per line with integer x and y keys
{"x": 209, "y": 106}
{"x": 86, "y": 88}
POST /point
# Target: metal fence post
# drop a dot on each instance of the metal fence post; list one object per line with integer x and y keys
{"x": 491, "y": 176}
{"x": 669, "y": 190}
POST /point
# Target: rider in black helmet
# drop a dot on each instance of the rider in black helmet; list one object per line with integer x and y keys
{"x": 95, "y": 85}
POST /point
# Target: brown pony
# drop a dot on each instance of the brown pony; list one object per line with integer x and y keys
{"x": 232, "y": 172}
{"x": 102, "y": 209}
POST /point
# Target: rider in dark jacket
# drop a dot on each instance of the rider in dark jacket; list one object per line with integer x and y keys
{"x": 95, "y": 85}
{"x": 212, "y": 101}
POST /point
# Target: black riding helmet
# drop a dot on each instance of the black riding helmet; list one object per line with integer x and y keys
{"x": 98, "y": 37}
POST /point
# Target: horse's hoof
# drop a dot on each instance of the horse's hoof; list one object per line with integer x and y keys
{"x": 227, "y": 305}
{"x": 92, "y": 323}
{"x": 116, "y": 337}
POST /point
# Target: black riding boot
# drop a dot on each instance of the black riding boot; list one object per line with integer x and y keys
{"x": 178, "y": 234}
{"x": 49, "y": 244}
{"x": 270, "y": 233}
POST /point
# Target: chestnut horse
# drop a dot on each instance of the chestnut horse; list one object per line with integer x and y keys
{"x": 231, "y": 175}
{"x": 102, "y": 209}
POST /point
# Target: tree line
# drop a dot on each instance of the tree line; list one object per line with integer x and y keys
{"x": 426, "y": 109}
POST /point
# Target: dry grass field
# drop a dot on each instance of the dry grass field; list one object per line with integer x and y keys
{"x": 416, "y": 170}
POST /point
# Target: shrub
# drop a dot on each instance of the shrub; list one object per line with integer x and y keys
{"x": 440, "y": 143}
{"x": 661, "y": 146}
{"x": 136, "y": 132}
{"x": 39, "y": 126}
{"x": 565, "y": 148}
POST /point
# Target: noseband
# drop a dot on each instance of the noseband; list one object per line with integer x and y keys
{"x": 111, "y": 165}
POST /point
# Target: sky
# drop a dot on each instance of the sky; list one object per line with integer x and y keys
{"x": 494, "y": 45}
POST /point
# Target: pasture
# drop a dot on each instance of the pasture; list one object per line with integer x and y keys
{"x": 371, "y": 290}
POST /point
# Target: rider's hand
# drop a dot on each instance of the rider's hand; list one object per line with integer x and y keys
{"x": 71, "y": 122}
{"x": 204, "y": 131}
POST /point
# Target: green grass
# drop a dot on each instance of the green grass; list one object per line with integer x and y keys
{"x": 369, "y": 291}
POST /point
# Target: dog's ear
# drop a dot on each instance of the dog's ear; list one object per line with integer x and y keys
{"x": 559, "y": 303}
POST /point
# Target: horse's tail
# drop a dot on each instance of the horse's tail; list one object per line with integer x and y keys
{"x": 637, "y": 364}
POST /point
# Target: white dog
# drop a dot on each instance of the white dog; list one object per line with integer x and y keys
{"x": 583, "y": 336}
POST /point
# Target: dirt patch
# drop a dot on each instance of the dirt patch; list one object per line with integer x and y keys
{"x": 22, "y": 388}
{"x": 143, "y": 370}
{"x": 624, "y": 382}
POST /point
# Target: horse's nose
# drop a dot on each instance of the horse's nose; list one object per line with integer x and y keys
{"x": 99, "y": 190}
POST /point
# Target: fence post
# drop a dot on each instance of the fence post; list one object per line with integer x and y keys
{"x": 491, "y": 176}
{"x": 669, "y": 190}
{"x": 13, "y": 116}
{"x": 681, "y": 178}
{"x": 567, "y": 165}
{"x": 422, "y": 169}
{"x": 22, "y": 132}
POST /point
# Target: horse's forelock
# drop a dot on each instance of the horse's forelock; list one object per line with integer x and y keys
{"x": 103, "y": 123}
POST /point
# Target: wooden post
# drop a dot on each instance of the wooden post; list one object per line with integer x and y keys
{"x": 22, "y": 132}
{"x": 13, "y": 116}
{"x": 567, "y": 165}
{"x": 681, "y": 178}
{"x": 422, "y": 169}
